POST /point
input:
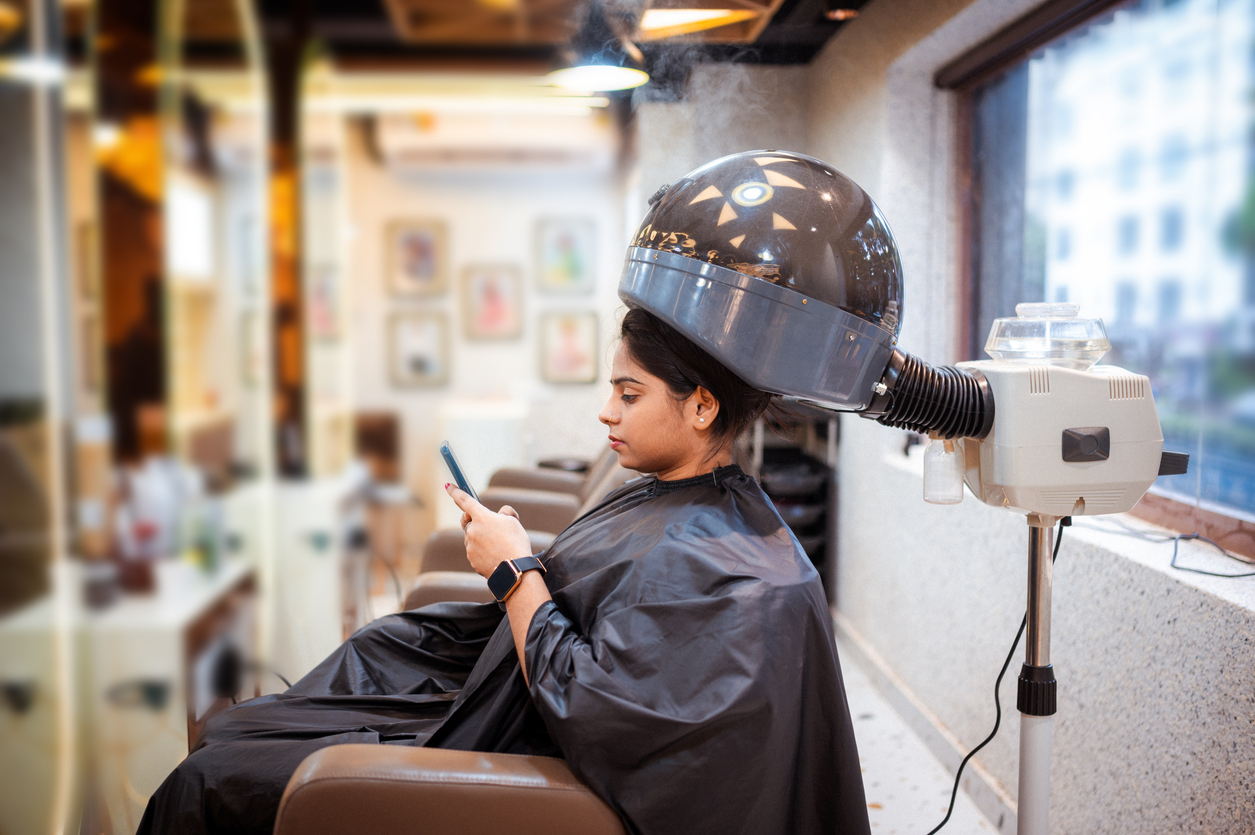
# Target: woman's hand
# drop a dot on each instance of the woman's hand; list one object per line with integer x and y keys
{"x": 493, "y": 537}
{"x": 490, "y": 537}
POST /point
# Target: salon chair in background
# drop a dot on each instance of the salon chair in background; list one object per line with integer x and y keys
{"x": 445, "y": 575}
{"x": 367, "y": 789}
{"x": 576, "y": 482}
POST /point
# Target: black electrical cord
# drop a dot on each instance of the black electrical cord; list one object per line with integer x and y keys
{"x": 954, "y": 793}
{"x": 1176, "y": 544}
{"x": 1176, "y": 540}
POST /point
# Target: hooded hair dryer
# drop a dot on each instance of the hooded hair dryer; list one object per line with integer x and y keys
{"x": 784, "y": 270}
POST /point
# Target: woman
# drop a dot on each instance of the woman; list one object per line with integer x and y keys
{"x": 677, "y": 650}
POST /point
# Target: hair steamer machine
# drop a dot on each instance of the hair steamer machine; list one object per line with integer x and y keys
{"x": 785, "y": 270}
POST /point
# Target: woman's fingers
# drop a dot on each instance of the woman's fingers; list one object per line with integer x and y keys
{"x": 463, "y": 500}
{"x": 506, "y": 510}
{"x": 466, "y": 520}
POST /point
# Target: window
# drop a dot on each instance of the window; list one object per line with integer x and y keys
{"x": 1173, "y": 158}
{"x": 1126, "y": 235}
{"x": 1129, "y": 169}
{"x": 1063, "y": 244}
{"x": 1126, "y": 304}
{"x": 1065, "y": 181}
{"x": 1169, "y": 301}
{"x": 1171, "y": 229}
{"x": 1176, "y": 76}
{"x": 1169, "y": 140}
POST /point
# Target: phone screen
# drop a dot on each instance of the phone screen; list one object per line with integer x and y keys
{"x": 458, "y": 476}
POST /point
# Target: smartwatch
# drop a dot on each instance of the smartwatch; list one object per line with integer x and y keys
{"x": 507, "y": 577}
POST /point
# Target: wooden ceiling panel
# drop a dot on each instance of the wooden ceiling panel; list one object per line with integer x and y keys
{"x": 484, "y": 22}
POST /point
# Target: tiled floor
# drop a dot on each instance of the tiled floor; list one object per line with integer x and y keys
{"x": 907, "y": 788}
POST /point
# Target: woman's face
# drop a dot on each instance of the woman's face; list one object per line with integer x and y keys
{"x": 651, "y": 431}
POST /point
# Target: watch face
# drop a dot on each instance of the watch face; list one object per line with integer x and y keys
{"x": 503, "y": 580}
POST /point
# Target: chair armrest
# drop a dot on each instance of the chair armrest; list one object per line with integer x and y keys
{"x": 445, "y": 586}
{"x": 446, "y": 549}
{"x": 401, "y": 790}
{"x": 539, "y": 510}
{"x": 570, "y": 465}
{"x": 554, "y": 481}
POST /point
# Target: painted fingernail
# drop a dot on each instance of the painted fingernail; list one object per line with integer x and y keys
{"x": 446, "y": 485}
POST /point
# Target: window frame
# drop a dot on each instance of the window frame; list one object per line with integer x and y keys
{"x": 1013, "y": 44}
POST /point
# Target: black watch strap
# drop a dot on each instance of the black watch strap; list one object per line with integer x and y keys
{"x": 506, "y": 578}
{"x": 529, "y": 564}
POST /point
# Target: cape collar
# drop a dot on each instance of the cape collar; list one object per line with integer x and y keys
{"x": 711, "y": 479}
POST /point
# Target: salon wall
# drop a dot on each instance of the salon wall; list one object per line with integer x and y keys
{"x": 491, "y": 217}
{"x": 1156, "y": 720}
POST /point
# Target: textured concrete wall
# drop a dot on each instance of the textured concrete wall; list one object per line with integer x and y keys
{"x": 726, "y": 108}
{"x": 847, "y": 103}
{"x": 1156, "y": 726}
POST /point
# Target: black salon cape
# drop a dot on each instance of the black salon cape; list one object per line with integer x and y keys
{"x": 685, "y": 669}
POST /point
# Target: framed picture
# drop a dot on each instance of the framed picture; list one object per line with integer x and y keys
{"x": 324, "y": 302}
{"x": 564, "y": 255}
{"x": 417, "y": 253}
{"x": 568, "y": 347}
{"x": 418, "y": 349}
{"x": 492, "y": 302}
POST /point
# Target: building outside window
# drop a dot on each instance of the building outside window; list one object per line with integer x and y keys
{"x": 1126, "y": 235}
{"x": 1063, "y": 244}
{"x": 1171, "y": 229}
{"x": 1159, "y": 99}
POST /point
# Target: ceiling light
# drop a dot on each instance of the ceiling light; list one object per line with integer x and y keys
{"x": 599, "y": 77}
{"x": 841, "y": 14}
{"x": 657, "y": 24}
{"x": 601, "y": 58}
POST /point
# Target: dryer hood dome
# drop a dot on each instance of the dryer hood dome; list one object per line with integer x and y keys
{"x": 779, "y": 266}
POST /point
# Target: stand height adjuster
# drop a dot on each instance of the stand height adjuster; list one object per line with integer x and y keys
{"x": 1037, "y": 694}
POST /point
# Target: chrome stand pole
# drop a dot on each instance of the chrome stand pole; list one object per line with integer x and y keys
{"x": 1037, "y": 692}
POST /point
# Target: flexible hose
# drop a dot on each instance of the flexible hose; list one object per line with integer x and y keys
{"x": 944, "y": 401}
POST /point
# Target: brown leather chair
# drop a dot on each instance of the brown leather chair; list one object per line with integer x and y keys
{"x": 369, "y": 789}
{"x": 447, "y": 586}
{"x": 556, "y": 481}
{"x": 445, "y": 551}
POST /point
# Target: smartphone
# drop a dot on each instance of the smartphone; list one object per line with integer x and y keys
{"x": 456, "y": 469}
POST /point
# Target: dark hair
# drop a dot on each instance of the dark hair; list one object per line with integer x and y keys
{"x": 676, "y": 360}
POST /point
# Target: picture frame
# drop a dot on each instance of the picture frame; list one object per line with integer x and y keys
{"x": 418, "y": 349}
{"x": 568, "y": 347}
{"x": 417, "y": 254}
{"x": 566, "y": 256}
{"x": 492, "y": 301}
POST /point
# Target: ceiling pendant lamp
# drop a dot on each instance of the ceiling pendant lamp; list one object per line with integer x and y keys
{"x": 602, "y": 59}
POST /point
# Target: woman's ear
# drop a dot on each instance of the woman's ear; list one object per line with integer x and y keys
{"x": 705, "y": 408}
